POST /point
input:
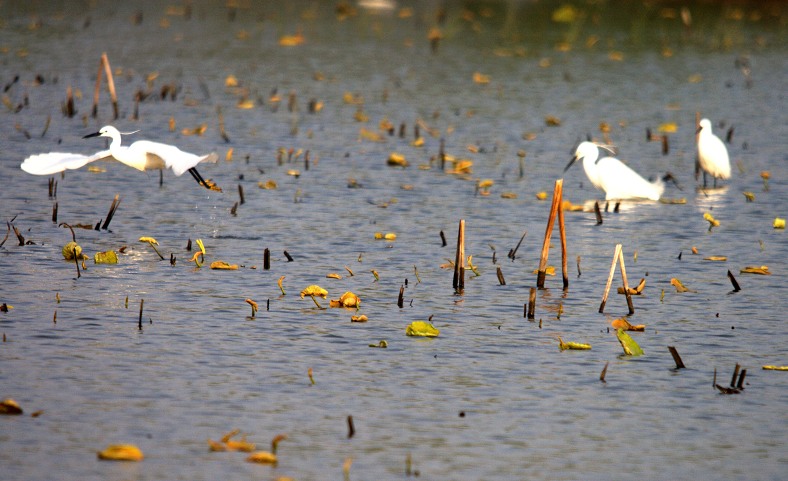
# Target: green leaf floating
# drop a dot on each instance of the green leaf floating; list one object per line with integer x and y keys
{"x": 631, "y": 347}
{"x": 421, "y": 328}
{"x": 108, "y": 257}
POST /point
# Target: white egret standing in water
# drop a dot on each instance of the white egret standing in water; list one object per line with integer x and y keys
{"x": 712, "y": 154}
{"x": 142, "y": 155}
{"x": 616, "y": 179}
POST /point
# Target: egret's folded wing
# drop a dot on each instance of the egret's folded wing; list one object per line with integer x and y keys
{"x": 53, "y": 162}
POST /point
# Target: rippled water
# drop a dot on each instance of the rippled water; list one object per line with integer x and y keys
{"x": 492, "y": 397}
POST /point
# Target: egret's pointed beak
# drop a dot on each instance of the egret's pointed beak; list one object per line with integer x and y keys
{"x": 574, "y": 159}
{"x": 94, "y": 134}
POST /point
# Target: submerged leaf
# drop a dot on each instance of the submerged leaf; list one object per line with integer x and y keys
{"x": 262, "y": 457}
{"x": 762, "y": 270}
{"x": 361, "y": 318}
{"x": 121, "y": 452}
{"x": 631, "y": 348}
{"x": 221, "y": 265}
{"x": 108, "y": 257}
{"x": 572, "y": 345}
{"x": 421, "y": 328}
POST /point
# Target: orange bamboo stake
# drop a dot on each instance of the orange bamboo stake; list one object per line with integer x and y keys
{"x": 110, "y": 84}
{"x": 616, "y": 256}
{"x": 548, "y": 232}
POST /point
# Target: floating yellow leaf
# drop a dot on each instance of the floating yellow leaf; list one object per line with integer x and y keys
{"x": 463, "y": 166}
{"x": 370, "y": 135}
{"x": 749, "y": 196}
{"x": 70, "y": 250}
{"x": 381, "y": 344}
{"x": 360, "y": 116}
{"x": 390, "y": 236}
{"x": 221, "y": 265}
{"x": 421, "y": 328}
{"x": 775, "y": 368}
{"x": 552, "y": 121}
{"x": 294, "y": 172}
{"x": 486, "y": 183}
{"x": 762, "y": 270}
{"x": 569, "y": 206}
{"x": 228, "y": 444}
{"x": 419, "y": 142}
{"x": 508, "y": 195}
{"x": 480, "y": 78}
{"x": 778, "y": 223}
{"x": 694, "y": 250}
{"x": 549, "y": 270}
{"x": 149, "y": 240}
{"x": 262, "y": 457}
{"x": 625, "y": 325}
{"x": 664, "y": 200}
{"x": 108, "y": 257}
{"x": 678, "y": 285}
{"x": 231, "y": 81}
{"x": 668, "y": 127}
{"x": 292, "y": 40}
{"x": 541, "y": 195}
{"x": 96, "y": 169}
{"x": 349, "y": 299}
{"x": 121, "y": 452}
{"x": 715, "y": 258}
{"x": 333, "y": 275}
{"x": 245, "y": 104}
{"x": 279, "y": 283}
{"x": 199, "y": 130}
{"x": 361, "y": 318}
{"x": 564, "y": 14}
{"x": 314, "y": 290}
{"x": 572, "y": 345}
{"x": 636, "y": 291}
{"x": 9, "y": 406}
{"x": 397, "y": 159}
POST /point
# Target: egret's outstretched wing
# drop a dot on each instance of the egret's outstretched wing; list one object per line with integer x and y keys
{"x": 171, "y": 156}
{"x": 54, "y": 162}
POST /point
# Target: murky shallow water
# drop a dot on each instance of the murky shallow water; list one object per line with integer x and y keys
{"x": 200, "y": 368}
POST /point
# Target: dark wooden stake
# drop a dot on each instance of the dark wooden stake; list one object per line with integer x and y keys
{"x": 499, "y": 273}
{"x": 513, "y": 253}
{"x": 289, "y": 257}
{"x": 459, "y": 260}
{"x": 54, "y": 214}
{"x": 532, "y": 304}
{"x": 241, "y": 194}
{"x": 735, "y": 374}
{"x": 110, "y": 85}
{"x": 76, "y": 262}
{"x": 351, "y": 430}
{"x": 740, "y": 384}
{"x": 266, "y": 259}
{"x": 736, "y": 287}
{"x": 112, "y": 209}
{"x": 401, "y": 298}
{"x": 604, "y": 372}
{"x": 598, "y": 213}
{"x": 676, "y": 357}
{"x": 142, "y": 303}
{"x": 443, "y": 239}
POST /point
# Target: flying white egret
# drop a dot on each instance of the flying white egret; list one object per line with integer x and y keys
{"x": 617, "y": 180}
{"x": 712, "y": 154}
{"x": 142, "y": 155}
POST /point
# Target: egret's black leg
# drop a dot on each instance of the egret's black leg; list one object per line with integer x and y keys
{"x": 704, "y": 179}
{"x": 198, "y": 178}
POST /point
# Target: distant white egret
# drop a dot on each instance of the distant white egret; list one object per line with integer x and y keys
{"x": 142, "y": 155}
{"x": 617, "y": 180}
{"x": 712, "y": 154}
